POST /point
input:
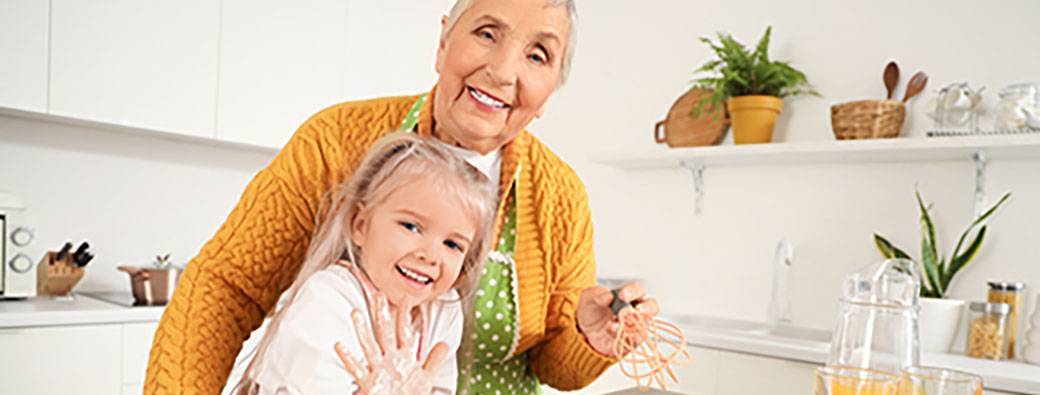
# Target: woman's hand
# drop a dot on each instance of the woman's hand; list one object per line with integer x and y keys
{"x": 393, "y": 366}
{"x": 597, "y": 321}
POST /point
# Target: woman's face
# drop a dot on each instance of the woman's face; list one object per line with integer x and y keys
{"x": 413, "y": 243}
{"x": 498, "y": 66}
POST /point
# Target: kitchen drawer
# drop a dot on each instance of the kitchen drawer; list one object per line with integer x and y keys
{"x": 133, "y": 389}
{"x": 741, "y": 374}
{"x": 137, "y": 342}
{"x": 61, "y": 360}
{"x": 700, "y": 376}
{"x": 696, "y": 378}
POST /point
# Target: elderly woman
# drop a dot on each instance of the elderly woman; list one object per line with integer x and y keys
{"x": 539, "y": 318}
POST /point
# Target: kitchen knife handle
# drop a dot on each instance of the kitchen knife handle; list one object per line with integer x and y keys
{"x": 76, "y": 256}
{"x": 63, "y": 251}
{"x": 85, "y": 260}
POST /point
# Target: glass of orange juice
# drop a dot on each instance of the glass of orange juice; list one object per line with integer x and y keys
{"x": 939, "y": 381}
{"x": 841, "y": 380}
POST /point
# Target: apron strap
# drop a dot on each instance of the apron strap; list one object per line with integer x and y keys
{"x": 412, "y": 119}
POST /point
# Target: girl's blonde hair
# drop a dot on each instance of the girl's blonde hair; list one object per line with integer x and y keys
{"x": 394, "y": 161}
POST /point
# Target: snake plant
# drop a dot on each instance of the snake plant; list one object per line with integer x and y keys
{"x": 938, "y": 272}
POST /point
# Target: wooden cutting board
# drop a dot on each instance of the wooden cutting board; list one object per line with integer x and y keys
{"x": 682, "y": 129}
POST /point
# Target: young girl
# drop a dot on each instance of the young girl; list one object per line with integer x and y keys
{"x": 413, "y": 224}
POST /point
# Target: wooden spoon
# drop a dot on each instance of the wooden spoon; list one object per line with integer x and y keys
{"x": 891, "y": 78}
{"x": 916, "y": 85}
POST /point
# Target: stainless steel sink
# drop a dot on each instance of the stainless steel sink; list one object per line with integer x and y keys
{"x": 794, "y": 332}
{"x": 725, "y": 325}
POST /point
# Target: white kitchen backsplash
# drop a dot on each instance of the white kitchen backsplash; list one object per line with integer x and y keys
{"x": 134, "y": 196}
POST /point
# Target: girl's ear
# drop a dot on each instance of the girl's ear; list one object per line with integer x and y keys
{"x": 358, "y": 226}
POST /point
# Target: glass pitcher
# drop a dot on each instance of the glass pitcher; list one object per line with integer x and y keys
{"x": 877, "y": 328}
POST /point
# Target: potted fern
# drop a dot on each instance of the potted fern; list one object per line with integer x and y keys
{"x": 752, "y": 85}
{"x": 940, "y": 317}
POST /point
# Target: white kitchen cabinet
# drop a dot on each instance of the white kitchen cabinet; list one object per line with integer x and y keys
{"x": 280, "y": 62}
{"x": 396, "y": 52}
{"x": 133, "y": 389}
{"x": 742, "y": 374}
{"x": 149, "y": 64}
{"x": 137, "y": 342}
{"x": 696, "y": 378}
{"x": 23, "y": 49}
{"x": 700, "y": 376}
{"x": 61, "y": 360}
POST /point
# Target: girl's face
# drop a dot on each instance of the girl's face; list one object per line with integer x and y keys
{"x": 413, "y": 243}
{"x": 498, "y": 66}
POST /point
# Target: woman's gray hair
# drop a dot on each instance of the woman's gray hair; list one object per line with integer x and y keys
{"x": 572, "y": 39}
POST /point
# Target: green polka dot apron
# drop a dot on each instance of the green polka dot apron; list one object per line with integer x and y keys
{"x": 489, "y": 366}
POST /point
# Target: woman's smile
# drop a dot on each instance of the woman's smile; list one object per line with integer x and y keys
{"x": 497, "y": 65}
{"x": 485, "y": 101}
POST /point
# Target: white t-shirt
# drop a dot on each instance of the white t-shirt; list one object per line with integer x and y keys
{"x": 490, "y": 164}
{"x": 301, "y": 358}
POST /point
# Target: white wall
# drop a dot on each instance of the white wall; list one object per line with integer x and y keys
{"x": 635, "y": 58}
{"x": 130, "y": 196}
{"x": 137, "y": 196}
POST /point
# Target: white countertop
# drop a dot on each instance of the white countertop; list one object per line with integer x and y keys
{"x": 78, "y": 309}
{"x": 792, "y": 343}
{"x": 813, "y": 346}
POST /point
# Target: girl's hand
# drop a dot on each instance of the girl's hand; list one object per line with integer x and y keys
{"x": 597, "y": 321}
{"x": 393, "y": 366}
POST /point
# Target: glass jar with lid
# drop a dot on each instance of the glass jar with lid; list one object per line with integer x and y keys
{"x": 1010, "y": 293}
{"x": 1015, "y": 101}
{"x": 987, "y": 330}
{"x": 877, "y": 327}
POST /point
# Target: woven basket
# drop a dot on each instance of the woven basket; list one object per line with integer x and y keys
{"x": 868, "y": 119}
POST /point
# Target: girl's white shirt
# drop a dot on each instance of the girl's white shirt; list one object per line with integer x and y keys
{"x": 301, "y": 359}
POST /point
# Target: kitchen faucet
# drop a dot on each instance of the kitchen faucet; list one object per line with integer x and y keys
{"x": 780, "y": 302}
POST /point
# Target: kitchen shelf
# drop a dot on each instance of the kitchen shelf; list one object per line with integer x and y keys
{"x": 135, "y": 130}
{"x": 933, "y": 149}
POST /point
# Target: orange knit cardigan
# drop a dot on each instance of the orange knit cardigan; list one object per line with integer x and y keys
{"x": 240, "y": 273}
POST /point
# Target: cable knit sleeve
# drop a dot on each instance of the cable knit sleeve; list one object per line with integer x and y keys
{"x": 565, "y": 360}
{"x": 239, "y": 274}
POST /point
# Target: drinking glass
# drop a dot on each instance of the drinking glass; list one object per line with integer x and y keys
{"x": 938, "y": 381}
{"x": 840, "y": 380}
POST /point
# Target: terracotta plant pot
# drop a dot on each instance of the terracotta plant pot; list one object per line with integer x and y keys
{"x": 753, "y": 118}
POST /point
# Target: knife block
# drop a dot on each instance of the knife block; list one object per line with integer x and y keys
{"x": 57, "y": 278}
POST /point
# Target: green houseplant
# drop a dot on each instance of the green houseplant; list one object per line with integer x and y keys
{"x": 940, "y": 317}
{"x": 938, "y": 271}
{"x": 751, "y": 84}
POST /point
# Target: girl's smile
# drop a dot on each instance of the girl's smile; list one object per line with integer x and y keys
{"x": 412, "y": 244}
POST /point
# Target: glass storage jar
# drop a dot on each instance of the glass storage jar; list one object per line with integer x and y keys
{"x": 987, "y": 330}
{"x": 1010, "y": 293}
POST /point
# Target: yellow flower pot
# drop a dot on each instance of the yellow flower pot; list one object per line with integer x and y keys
{"x": 753, "y": 118}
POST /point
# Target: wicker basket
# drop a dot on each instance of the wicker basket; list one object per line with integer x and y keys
{"x": 868, "y": 119}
